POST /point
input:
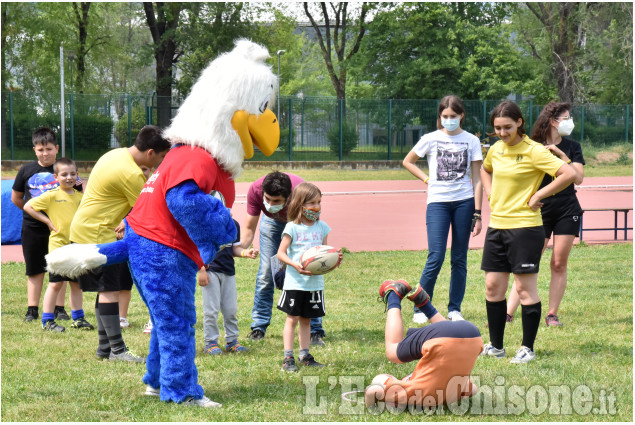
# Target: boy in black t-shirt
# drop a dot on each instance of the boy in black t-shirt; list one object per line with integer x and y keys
{"x": 218, "y": 282}
{"x": 32, "y": 180}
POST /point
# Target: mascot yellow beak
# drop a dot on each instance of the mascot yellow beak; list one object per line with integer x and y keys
{"x": 262, "y": 131}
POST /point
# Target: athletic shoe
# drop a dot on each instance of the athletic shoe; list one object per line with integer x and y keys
{"x": 455, "y": 316}
{"x": 102, "y": 355}
{"x": 419, "y": 318}
{"x": 151, "y": 391}
{"x": 552, "y": 320}
{"x": 53, "y": 327}
{"x": 236, "y": 347}
{"x": 256, "y": 335}
{"x": 309, "y": 361}
{"x": 82, "y": 323}
{"x": 123, "y": 323}
{"x": 490, "y": 351}
{"x": 316, "y": 339}
{"x": 30, "y": 316}
{"x": 419, "y": 296}
{"x": 523, "y": 355}
{"x": 288, "y": 365}
{"x": 212, "y": 349}
{"x": 147, "y": 328}
{"x": 61, "y": 315}
{"x": 201, "y": 402}
{"x": 127, "y": 356}
{"x": 399, "y": 287}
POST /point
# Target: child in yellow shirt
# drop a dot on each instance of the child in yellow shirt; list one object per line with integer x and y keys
{"x": 56, "y": 209}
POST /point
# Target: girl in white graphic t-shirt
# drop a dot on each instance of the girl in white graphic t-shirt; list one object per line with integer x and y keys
{"x": 455, "y": 196}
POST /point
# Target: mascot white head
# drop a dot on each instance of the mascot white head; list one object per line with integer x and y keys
{"x": 226, "y": 112}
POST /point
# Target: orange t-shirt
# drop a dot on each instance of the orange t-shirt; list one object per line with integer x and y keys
{"x": 440, "y": 376}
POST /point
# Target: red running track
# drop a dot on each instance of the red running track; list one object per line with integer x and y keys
{"x": 391, "y": 215}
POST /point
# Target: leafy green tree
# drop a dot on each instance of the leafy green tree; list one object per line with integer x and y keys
{"x": 584, "y": 50}
{"x": 208, "y": 29}
{"x": 163, "y": 22}
{"x": 339, "y": 29}
{"x": 427, "y": 50}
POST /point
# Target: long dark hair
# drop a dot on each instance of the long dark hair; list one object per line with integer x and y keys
{"x": 508, "y": 109}
{"x": 542, "y": 127}
{"x": 453, "y": 102}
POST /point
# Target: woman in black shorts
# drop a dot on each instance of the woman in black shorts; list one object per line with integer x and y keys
{"x": 561, "y": 213}
{"x": 511, "y": 175}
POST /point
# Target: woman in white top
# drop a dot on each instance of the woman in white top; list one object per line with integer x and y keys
{"x": 454, "y": 198}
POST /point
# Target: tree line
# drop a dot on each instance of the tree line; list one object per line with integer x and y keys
{"x": 575, "y": 52}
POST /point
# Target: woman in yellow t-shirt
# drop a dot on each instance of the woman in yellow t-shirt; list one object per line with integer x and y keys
{"x": 511, "y": 176}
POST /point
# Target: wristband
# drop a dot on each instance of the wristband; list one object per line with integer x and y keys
{"x": 426, "y": 180}
{"x": 569, "y": 162}
{"x": 242, "y": 253}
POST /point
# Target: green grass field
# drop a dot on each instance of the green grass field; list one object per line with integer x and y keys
{"x": 55, "y": 377}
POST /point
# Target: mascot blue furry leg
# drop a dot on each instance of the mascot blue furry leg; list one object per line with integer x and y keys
{"x": 166, "y": 280}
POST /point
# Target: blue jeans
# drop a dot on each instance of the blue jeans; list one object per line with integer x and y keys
{"x": 440, "y": 217}
{"x": 270, "y": 238}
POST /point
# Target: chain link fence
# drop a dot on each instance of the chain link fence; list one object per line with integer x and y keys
{"x": 312, "y": 128}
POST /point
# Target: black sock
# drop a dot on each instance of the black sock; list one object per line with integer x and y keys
{"x": 109, "y": 314}
{"x": 104, "y": 343}
{"x": 496, "y": 315}
{"x": 58, "y": 308}
{"x": 531, "y": 321}
{"x": 34, "y": 309}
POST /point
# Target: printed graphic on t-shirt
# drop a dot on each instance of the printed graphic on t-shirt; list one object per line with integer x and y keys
{"x": 451, "y": 161}
{"x": 40, "y": 183}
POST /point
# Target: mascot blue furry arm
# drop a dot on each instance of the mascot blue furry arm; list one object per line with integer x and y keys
{"x": 175, "y": 226}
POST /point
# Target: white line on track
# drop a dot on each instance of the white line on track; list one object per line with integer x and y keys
{"x": 392, "y": 192}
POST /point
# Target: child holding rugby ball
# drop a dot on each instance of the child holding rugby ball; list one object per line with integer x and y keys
{"x": 303, "y": 293}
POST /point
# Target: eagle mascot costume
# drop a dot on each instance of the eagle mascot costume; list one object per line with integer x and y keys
{"x": 175, "y": 226}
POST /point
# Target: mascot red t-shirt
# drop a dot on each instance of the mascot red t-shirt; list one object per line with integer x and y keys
{"x": 151, "y": 217}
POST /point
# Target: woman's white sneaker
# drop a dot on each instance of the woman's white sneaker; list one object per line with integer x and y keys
{"x": 419, "y": 318}
{"x": 455, "y": 316}
{"x": 523, "y": 355}
{"x": 490, "y": 351}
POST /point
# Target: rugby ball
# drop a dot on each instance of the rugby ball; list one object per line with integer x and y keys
{"x": 320, "y": 259}
{"x": 381, "y": 380}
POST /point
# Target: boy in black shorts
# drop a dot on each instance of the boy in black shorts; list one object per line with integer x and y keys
{"x": 112, "y": 190}
{"x": 32, "y": 180}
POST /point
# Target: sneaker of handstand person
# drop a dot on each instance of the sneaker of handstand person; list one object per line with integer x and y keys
{"x": 446, "y": 352}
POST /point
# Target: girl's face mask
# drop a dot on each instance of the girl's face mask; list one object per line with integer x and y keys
{"x": 311, "y": 214}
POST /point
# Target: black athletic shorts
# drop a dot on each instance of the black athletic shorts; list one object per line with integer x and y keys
{"x": 564, "y": 225}
{"x": 115, "y": 277}
{"x": 561, "y": 215}
{"x": 307, "y": 304}
{"x": 35, "y": 245}
{"x": 410, "y": 348}
{"x": 513, "y": 250}
{"x": 58, "y": 278}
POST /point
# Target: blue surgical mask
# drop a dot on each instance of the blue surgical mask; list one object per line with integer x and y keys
{"x": 272, "y": 208}
{"x": 451, "y": 124}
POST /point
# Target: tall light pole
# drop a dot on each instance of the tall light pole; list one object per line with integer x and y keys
{"x": 279, "y": 53}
